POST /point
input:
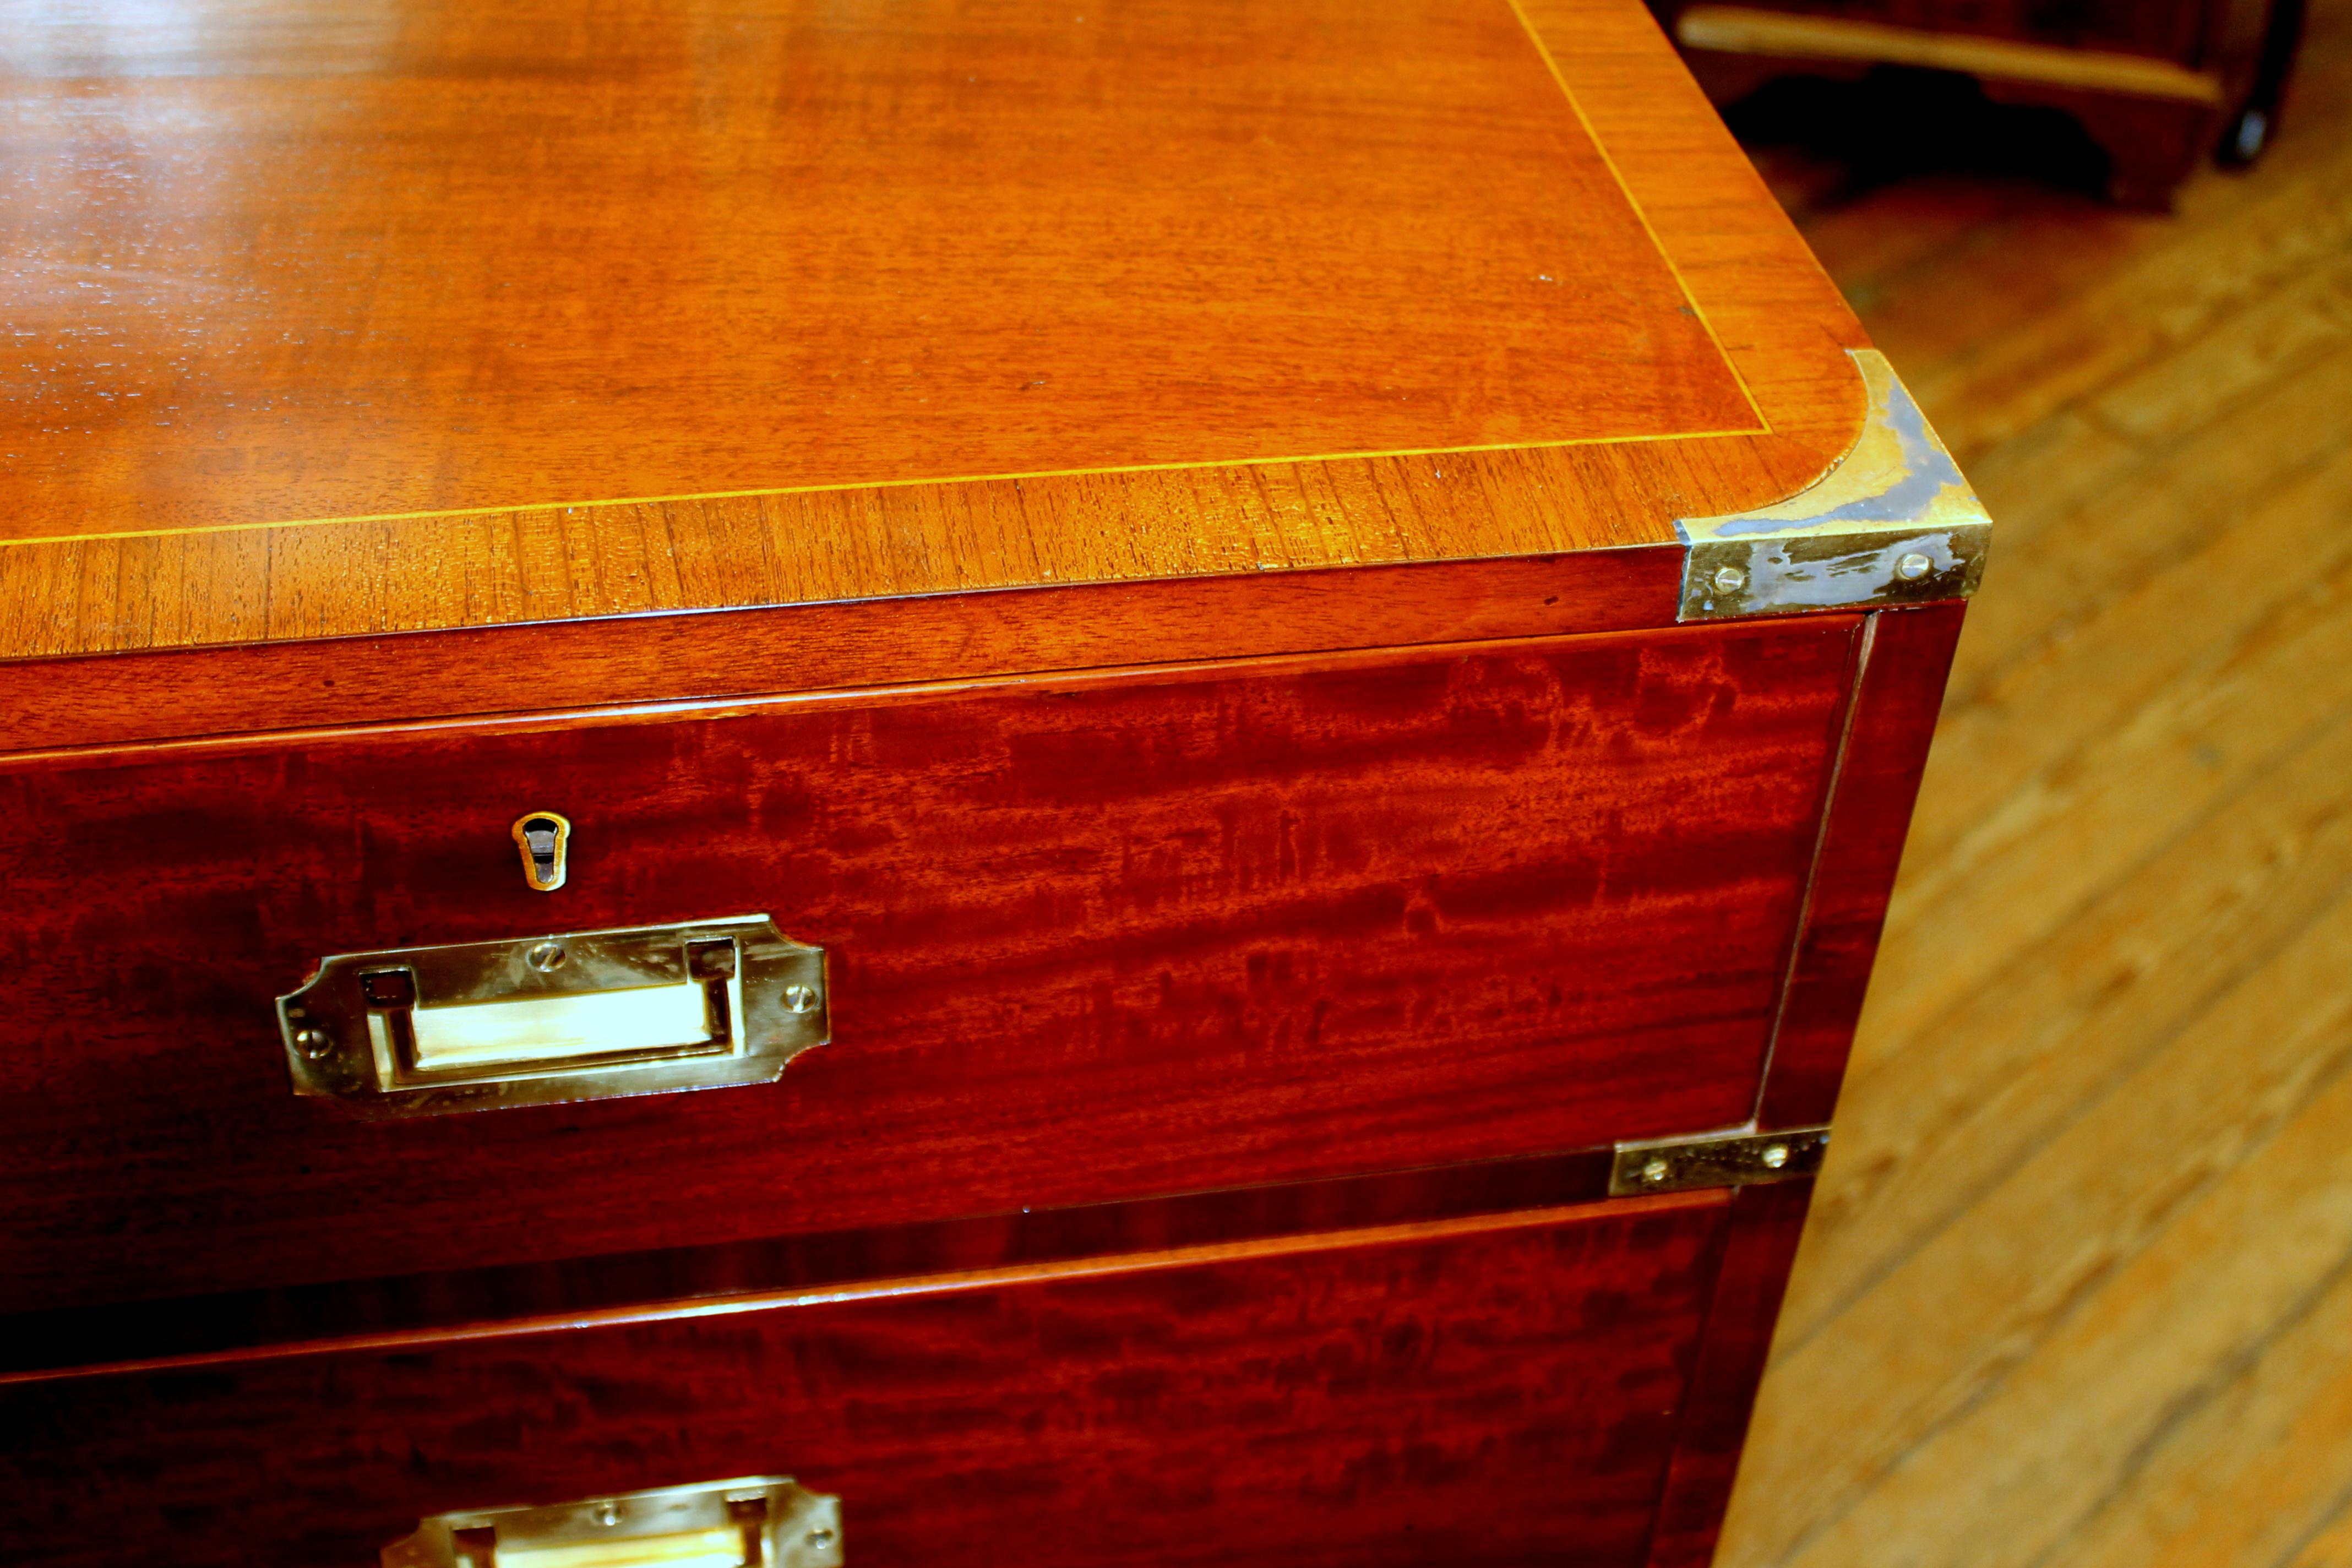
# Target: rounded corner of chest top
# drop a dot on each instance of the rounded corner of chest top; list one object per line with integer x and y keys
{"x": 1890, "y": 522}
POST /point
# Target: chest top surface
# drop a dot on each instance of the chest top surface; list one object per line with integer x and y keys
{"x": 329, "y": 319}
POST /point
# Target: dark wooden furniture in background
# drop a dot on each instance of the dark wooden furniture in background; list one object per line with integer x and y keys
{"x": 2160, "y": 85}
{"x": 1319, "y": 610}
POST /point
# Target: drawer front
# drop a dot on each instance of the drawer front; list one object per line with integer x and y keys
{"x": 1487, "y": 1392}
{"x": 1085, "y": 939}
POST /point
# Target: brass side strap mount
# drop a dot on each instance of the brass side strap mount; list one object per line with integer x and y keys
{"x": 1716, "y": 1160}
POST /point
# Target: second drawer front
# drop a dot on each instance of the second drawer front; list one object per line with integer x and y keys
{"x": 1481, "y": 1392}
{"x": 1088, "y": 939}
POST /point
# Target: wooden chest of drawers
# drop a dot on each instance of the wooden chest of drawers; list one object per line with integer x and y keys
{"x": 792, "y": 782}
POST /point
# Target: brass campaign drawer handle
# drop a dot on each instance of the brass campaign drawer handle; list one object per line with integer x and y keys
{"x": 753, "y": 1521}
{"x": 541, "y": 1019}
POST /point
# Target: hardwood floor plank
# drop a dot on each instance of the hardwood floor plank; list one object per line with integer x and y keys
{"x": 2067, "y": 1430}
{"x": 2186, "y": 278}
{"x": 2307, "y": 318}
{"x": 2049, "y": 474}
{"x": 2137, "y": 284}
{"x": 2026, "y": 273}
{"x": 2245, "y": 1468}
{"x": 2246, "y": 648}
{"x": 1877, "y": 249}
{"x": 2002, "y": 1072}
{"x": 2328, "y": 1546}
{"x": 2075, "y": 1294}
{"x": 2153, "y": 511}
{"x": 2022, "y": 1355}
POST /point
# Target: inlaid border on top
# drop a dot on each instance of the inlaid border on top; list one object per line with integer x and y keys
{"x": 1763, "y": 426}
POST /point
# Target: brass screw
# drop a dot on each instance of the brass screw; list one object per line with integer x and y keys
{"x": 800, "y": 998}
{"x": 1730, "y": 579}
{"x": 606, "y": 1514}
{"x": 819, "y": 1539}
{"x": 1913, "y": 567}
{"x": 547, "y": 957}
{"x": 1655, "y": 1170}
{"x": 1776, "y": 1156}
{"x": 314, "y": 1043}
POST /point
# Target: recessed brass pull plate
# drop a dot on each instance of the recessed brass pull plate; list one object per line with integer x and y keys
{"x": 541, "y": 1019}
{"x": 1719, "y": 1160}
{"x": 763, "y": 1521}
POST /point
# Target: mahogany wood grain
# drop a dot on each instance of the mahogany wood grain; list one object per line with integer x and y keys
{"x": 94, "y": 701}
{"x": 1090, "y": 938}
{"x": 1471, "y": 1392}
{"x": 489, "y": 313}
{"x": 426, "y": 1308}
{"x": 1760, "y": 1245}
{"x": 1905, "y": 656}
{"x": 786, "y": 248}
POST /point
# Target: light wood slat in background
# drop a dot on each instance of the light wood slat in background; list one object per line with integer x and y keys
{"x": 2078, "y": 1292}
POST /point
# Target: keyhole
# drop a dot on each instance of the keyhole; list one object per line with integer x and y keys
{"x": 543, "y": 838}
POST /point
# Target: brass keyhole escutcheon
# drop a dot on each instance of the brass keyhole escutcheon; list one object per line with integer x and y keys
{"x": 544, "y": 838}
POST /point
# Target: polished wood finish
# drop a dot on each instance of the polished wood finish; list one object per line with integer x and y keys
{"x": 1101, "y": 936}
{"x": 96, "y": 700}
{"x": 596, "y": 318}
{"x": 509, "y": 1298}
{"x": 2073, "y": 1292}
{"x": 1192, "y": 494}
{"x": 1494, "y": 1391}
{"x": 799, "y": 248}
{"x": 1903, "y": 662}
{"x": 1761, "y": 1241}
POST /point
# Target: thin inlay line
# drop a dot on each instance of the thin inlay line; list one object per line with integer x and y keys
{"x": 1763, "y": 426}
{"x": 506, "y": 507}
{"x": 902, "y": 1286}
{"x": 1640, "y": 214}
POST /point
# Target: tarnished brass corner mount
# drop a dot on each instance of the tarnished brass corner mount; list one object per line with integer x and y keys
{"x": 1893, "y": 523}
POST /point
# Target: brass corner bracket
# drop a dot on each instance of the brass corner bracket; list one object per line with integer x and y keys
{"x": 1893, "y": 522}
{"x": 1739, "y": 1159}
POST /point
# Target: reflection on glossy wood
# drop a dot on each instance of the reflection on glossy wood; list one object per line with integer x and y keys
{"x": 1905, "y": 661}
{"x": 1760, "y": 1241}
{"x": 423, "y": 1309}
{"x": 1476, "y": 1392}
{"x": 786, "y": 248}
{"x": 544, "y": 261}
{"x": 92, "y": 701}
{"x": 1089, "y": 938}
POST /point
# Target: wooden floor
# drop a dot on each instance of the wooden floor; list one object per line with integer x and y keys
{"x": 2079, "y": 1288}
